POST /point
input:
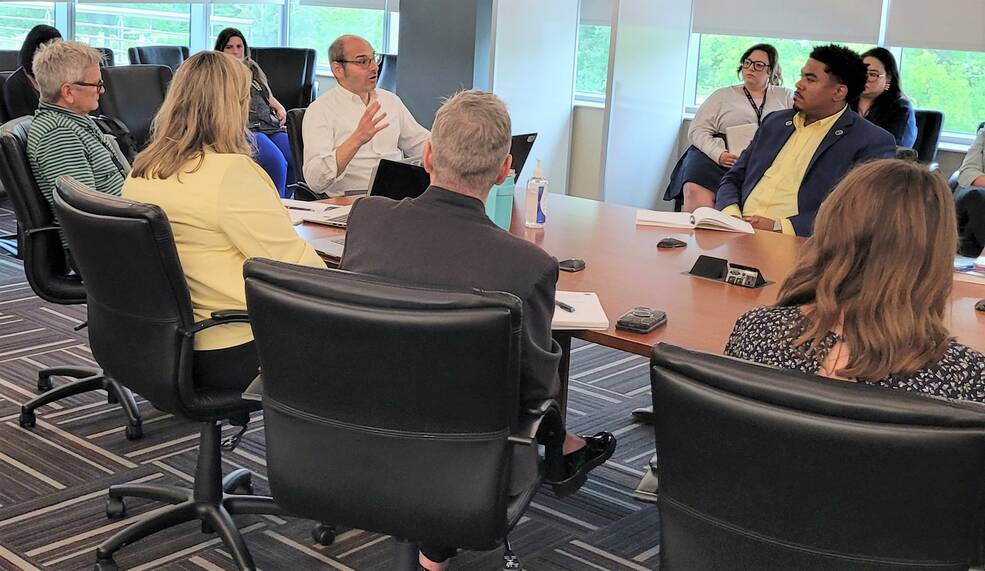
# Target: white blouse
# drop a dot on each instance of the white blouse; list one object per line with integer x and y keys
{"x": 729, "y": 107}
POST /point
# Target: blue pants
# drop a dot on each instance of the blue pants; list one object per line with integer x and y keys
{"x": 274, "y": 156}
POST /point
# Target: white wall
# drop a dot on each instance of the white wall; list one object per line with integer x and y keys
{"x": 534, "y": 73}
{"x": 647, "y": 72}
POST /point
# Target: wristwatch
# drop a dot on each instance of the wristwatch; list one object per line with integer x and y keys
{"x": 777, "y": 227}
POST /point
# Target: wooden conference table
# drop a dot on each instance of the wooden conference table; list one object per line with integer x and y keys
{"x": 625, "y": 268}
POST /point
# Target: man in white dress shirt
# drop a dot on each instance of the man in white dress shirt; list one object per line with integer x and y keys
{"x": 348, "y": 129}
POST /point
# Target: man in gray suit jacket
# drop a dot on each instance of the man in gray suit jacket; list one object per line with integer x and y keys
{"x": 444, "y": 238}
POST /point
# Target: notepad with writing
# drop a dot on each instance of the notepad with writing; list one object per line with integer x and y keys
{"x": 704, "y": 217}
{"x": 587, "y": 314}
{"x": 300, "y": 209}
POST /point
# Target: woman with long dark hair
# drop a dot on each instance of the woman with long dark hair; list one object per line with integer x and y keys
{"x": 883, "y": 102}
{"x": 267, "y": 115}
{"x": 20, "y": 92}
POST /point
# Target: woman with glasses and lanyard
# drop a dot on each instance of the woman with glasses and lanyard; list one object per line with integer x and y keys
{"x": 697, "y": 174}
{"x": 267, "y": 115}
{"x": 883, "y": 102}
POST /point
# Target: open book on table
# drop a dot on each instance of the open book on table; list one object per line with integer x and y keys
{"x": 704, "y": 217}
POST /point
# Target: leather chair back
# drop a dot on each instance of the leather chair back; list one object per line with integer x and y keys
{"x": 19, "y": 97}
{"x": 388, "y": 73}
{"x": 4, "y": 116}
{"x": 41, "y": 248}
{"x": 171, "y": 56}
{"x": 290, "y": 72}
{"x": 387, "y": 407}
{"x": 108, "y": 58}
{"x": 929, "y": 125}
{"x": 134, "y": 94}
{"x": 765, "y": 468}
{"x": 139, "y": 310}
{"x": 9, "y": 60}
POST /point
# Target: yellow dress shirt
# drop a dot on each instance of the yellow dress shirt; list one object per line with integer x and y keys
{"x": 221, "y": 214}
{"x": 775, "y": 195}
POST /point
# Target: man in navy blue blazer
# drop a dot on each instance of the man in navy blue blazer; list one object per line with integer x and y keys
{"x": 798, "y": 156}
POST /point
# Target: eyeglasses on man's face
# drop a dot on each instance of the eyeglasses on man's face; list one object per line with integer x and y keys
{"x": 875, "y": 75}
{"x": 99, "y": 85}
{"x": 755, "y": 65}
{"x": 364, "y": 61}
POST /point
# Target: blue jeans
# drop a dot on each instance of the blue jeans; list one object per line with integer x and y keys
{"x": 274, "y": 156}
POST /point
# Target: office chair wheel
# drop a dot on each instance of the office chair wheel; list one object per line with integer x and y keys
{"x": 27, "y": 418}
{"x": 111, "y": 397}
{"x": 323, "y": 534}
{"x": 105, "y": 565}
{"x": 115, "y": 509}
{"x": 44, "y": 383}
{"x": 134, "y": 431}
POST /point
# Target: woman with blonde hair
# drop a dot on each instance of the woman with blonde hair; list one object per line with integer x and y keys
{"x": 867, "y": 299}
{"x": 222, "y": 206}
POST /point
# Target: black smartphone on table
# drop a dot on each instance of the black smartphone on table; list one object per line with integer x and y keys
{"x": 641, "y": 320}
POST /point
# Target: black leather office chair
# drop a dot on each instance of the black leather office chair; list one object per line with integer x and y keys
{"x": 761, "y": 468}
{"x": 422, "y": 449}
{"x": 290, "y": 72}
{"x": 4, "y": 116}
{"x": 295, "y": 119}
{"x": 49, "y": 275}
{"x": 108, "y": 58}
{"x": 388, "y": 73}
{"x": 929, "y": 125}
{"x": 134, "y": 94}
{"x": 953, "y": 180}
{"x": 171, "y": 56}
{"x": 141, "y": 331}
{"x": 10, "y": 60}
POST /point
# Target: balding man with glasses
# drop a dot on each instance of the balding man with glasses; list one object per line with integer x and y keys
{"x": 348, "y": 129}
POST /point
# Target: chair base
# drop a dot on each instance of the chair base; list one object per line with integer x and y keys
{"x": 89, "y": 380}
{"x": 213, "y": 500}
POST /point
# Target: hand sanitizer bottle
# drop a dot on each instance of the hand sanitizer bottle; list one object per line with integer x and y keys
{"x": 536, "y": 202}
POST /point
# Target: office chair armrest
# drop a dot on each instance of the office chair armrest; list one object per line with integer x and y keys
{"x": 540, "y": 422}
{"x": 219, "y": 317}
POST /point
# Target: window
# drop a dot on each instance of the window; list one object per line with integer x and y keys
{"x": 123, "y": 26}
{"x": 317, "y": 26}
{"x": 718, "y": 58}
{"x": 260, "y": 23}
{"x": 592, "y": 62}
{"x": 948, "y": 81}
{"x": 17, "y": 18}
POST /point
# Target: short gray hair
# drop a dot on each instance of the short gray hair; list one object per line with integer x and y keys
{"x": 470, "y": 139}
{"x": 58, "y": 63}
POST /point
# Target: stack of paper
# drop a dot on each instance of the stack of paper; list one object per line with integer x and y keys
{"x": 969, "y": 269}
{"x": 299, "y": 209}
{"x": 587, "y": 314}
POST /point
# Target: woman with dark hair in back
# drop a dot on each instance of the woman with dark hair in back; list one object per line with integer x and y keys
{"x": 883, "y": 102}
{"x": 697, "y": 174}
{"x": 267, "y": 115}
{"x": 20, "y": 92}
{"x": 868, "y": 297}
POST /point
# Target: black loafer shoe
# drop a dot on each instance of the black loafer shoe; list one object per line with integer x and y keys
{"x": 596, "y": 451}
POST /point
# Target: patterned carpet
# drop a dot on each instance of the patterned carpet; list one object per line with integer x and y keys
{"x": 53, "y": 478}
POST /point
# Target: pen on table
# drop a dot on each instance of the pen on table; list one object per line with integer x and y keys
{"x": 299, "y": 208}
{"x": 564, "y": 306}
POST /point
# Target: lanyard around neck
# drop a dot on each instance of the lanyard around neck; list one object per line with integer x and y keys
{"x": 758, "y": 110}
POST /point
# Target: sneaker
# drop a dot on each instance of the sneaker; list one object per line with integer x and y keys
{"x": 579, "y": 463}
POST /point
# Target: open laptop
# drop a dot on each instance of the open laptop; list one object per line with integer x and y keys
{"x": 393, "y": 179}
{"x": 401, "y": 179}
